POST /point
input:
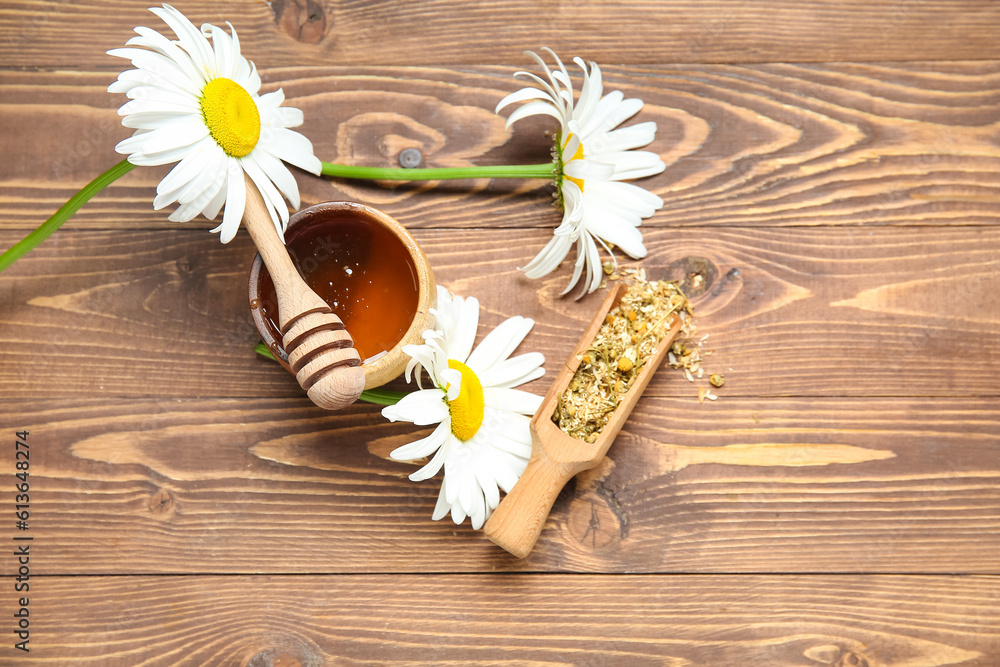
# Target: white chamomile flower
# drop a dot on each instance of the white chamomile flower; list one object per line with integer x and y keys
{"x": 194, "y": 101}
{"x": 482, "y": 439}
{"x": 592, "y": 159}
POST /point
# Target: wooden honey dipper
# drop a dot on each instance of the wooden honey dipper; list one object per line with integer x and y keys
{"x": 320, "y": 350}
{"x": 556, "y": 456}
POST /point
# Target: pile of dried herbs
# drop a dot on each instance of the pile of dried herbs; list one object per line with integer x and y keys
{"x": 610, "y": 365}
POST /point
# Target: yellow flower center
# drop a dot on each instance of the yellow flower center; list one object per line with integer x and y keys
{"x": 467, "y": 408}
{"x": 231, "y": 116}
{"x": 578, "y": 155}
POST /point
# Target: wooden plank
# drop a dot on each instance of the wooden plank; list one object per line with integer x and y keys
{"x": 769, "y": 145}
{"x": 783, "y": 621}
{"x": 741, "y": 485}
{"x": 802, "y": 312}
{"x": 48, "y": 33}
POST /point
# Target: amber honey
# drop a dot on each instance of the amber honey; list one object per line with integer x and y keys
{"x": 361, "y": 269}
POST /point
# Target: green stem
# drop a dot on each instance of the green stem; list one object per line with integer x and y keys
{"x": 46, "y": 229}
{"x": 546, "y": 171}
{"x": 380, "y": 396}
{"x": 376, "y": 396}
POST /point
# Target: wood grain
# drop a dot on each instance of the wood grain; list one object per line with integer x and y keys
{"x": 806, "y": 312}
{"x": 832, "y": 194}
{"x": 293, "y": 32}
{"x": 700, "y": 621}
{"x": 767, "y": 145}
{"x": 206, "y": 485}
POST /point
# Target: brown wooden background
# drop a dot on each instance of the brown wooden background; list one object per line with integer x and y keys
{"x": 833, "y": 174}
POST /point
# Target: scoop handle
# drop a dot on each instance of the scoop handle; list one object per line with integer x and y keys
{"x": 518, "y": 521}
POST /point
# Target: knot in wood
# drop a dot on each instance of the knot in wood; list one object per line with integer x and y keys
{"x": 303, "y": 20}
{"x": 695, "y": 275}
{"x": 185, "y": 266}
{"x": 289, "y": 651}
{"x": 593, "y": 523}
{"x": 160, "y": 502}
{"x": 851, "y": 659}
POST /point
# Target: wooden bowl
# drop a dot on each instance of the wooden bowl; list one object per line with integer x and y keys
{"x": 400, "y": 261}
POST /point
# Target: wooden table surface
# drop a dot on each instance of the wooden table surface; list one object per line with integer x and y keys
{"x": 833, "y": 184}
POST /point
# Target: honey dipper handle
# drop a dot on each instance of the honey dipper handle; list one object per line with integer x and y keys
{"x": 517, "y": 522}
{"x": 320, "y": 351}
{"x": 294, "y": 296}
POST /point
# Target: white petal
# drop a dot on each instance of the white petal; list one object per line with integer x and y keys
{"x": 484, "y": 475}
{"x": 438, "y": 460}
{"x": 177, "y": 135}
{"x": 634, "y": 164}
{"x": 182, "y": 173}
{"x": 572, "y": 202}
{"x": 589, "y": 169}
{"x": 457, "y": 513}
{"x": 156, "y": 97}
{"x": 269, "y": 103}
{"x": 272, "y": 198}
{"x": 239, "y": 63}
{"x": 236, "y": 201}
{"x": 442, "y": 507}
{"x": 534, "y": 109}
{"x": 182, "y": 112}
{"x": 157, "y": 63}
{"x": 515, "y": 438}
{"x": 507, "y": 470}
{"x": 477, "y": 517}
{"x": 452, "y": 380}
{"x": 222, "y": 45}
{"x": 288, "y": 117}
{"x": 463, "y": 331}
{"x": 163, "y": 157}
{"x": 523, "y": 95}
{"x": 422, "y": 407}
{"x": 549, "y": 258}
{"x": 422, "y": 356}
{"x": 613, "y": 229}
{"x": 190, "y": 38}
{"x": 201, "y": 190}
{"x": 595, "y": 122}
{"x": 595, "y": 271}
{"x": 153, "y": 120}
{"x": 279, "y": 175}
{"x": 155, "y": 40}
{"x": 581, "y": 259}
{"x": 499, "y": 343}
{"x": 459, "y": 471}
{"x": 590, "y": 92}
{"x": 611, "y": 112}
{"x": 215, "y": 203}
{"x": 514, "y": 371}
{"x": 625, "y": 138}
{"x": 631, "y": 199}
{"x": 512, "y": 400}
{"x": 423, "y": 447}
{"x": 290, "y": 146}
{"x": 171, "y": 79}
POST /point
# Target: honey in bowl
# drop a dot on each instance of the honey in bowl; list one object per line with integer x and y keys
{"x": 361, "y": 270}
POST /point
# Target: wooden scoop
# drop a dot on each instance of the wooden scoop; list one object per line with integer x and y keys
{"x": 320, "y": 351}
{"x": 557, "y": 456}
